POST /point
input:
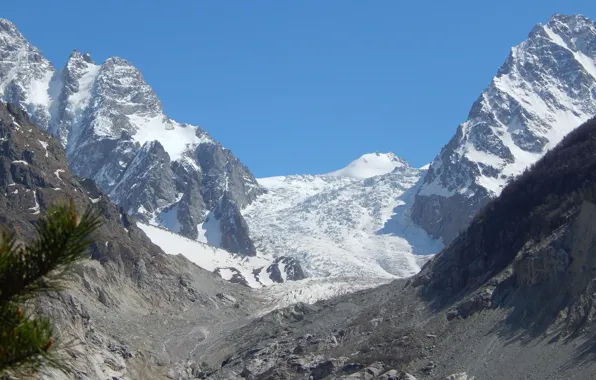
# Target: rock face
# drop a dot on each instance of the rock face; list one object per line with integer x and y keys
{"x": 285, "y": 269}
{"x": 131, "y": 311}
{"x": 543, "y": 90}
{"x": 115, "y": 132}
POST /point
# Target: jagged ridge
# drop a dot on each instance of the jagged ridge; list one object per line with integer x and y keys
{"x": 116, "y": 133}
{"x": 543, "y": 91}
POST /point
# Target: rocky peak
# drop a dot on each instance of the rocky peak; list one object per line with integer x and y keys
{"x": 109, "y": 119}
{"x": 7, "y": 28}
{"x": 77, "y": 55}
{"x": 122, "y": 85}
{"x": 541, "y": 93}
{"x": 24, "y": 73}
{"x": 576, "y": 23}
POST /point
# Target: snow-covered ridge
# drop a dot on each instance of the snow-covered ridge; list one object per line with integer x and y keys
{"x": 115, "y": 132}
{"x": 370, "y": 165}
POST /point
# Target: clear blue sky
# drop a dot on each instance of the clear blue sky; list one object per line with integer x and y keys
{"x": 301, "y": 86}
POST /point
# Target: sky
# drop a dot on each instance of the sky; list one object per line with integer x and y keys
{"x": 301, "y": 86}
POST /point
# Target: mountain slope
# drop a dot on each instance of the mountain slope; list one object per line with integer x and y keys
{"x": 115, "y": 132}
{"x": 349, "y": 224}
{"x": 513, "y": 297}
{"x": 543, "y": 91}
{"x": 130, "y": 310}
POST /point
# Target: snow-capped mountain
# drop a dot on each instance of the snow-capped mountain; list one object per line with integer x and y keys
{"x": 370, "y": 165}
{"x": 115, "y": 132}
{"x": 546, "y": 88}
{"x": 347, "y": 224}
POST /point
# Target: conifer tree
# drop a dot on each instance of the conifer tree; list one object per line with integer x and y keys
{"x": 28, "y": 271}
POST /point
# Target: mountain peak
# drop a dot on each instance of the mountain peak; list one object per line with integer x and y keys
{"x": 370, "y": 165}
{"x": 540, "y": 94}
{"x": 77, "y": 55}
{"x": 117, "y": 61}
{"x": 8, "y": 26}
{"x": 568, "y": 19}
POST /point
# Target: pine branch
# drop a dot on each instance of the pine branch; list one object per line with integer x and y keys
{"x": 62, "y": 240}
{"x": 27, "y": 271}
{"x": 25, "y": 341}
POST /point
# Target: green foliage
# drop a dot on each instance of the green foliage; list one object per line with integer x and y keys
{"x": 32, "y": 270}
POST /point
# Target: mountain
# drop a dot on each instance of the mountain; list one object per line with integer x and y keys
{"x": 129, "y": 311}
{"x": 349, "y": 224}
{"x": 544, "y": 89}
{"x": 370, "y": 165}
{"x": 513, "y": 297}
{"x": 115, "y": 132}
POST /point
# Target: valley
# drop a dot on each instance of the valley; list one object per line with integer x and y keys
{"x": 479, "y": 265}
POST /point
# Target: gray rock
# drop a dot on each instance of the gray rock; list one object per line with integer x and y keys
{"x": 95, "y": 110}
{"x": 507, "y": 128}
{"x": 292, "y": 271}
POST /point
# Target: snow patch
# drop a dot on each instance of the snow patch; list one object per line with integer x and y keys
{"x": 44, "y": 145}
{"x": 205, "y": 256}
{"x": 35, "y": 209}
{"x": 57, "y": 173}
{"x": 169, "y": 219}
{"x": 174, "y": 137}
{"x": 38, "y": 90}
{"x": 210, "y": 231}
{"x": 370, "y": 165}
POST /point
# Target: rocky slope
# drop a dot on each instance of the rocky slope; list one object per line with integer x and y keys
{"x": 511, "y": 298}
{"x": 542, "y": 91}
{"x": 131, "y": 311}
{"x": 115, "y": 132}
